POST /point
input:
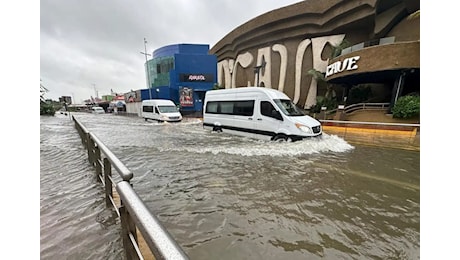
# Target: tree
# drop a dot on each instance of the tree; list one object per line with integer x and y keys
{"x": 329, "y": 99}
{"x": 43, "y": 91}
{"x": 46, "y": 108}
{"x": 337, "y": 50}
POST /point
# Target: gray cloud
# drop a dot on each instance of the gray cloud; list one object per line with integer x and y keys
{"x": 99, "y": 42}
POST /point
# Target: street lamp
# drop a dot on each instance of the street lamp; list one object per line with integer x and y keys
{"x": 147, "y": 65}
{"x": 257, "y": 70}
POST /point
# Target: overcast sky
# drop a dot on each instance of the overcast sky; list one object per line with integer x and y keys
{"x": 89, "y": 47}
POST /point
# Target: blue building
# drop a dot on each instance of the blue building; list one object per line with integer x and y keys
{"x": 182, "y": 73}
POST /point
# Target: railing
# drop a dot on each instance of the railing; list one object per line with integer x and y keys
{"x": 133, "y": 213}
{"x": 360, "y": 106}
{"x": 362, "y": 45}
{"x": 366, "y": 106}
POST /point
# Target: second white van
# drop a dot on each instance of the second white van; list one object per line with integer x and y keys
{"x": 257, "y": 112}
{"x": 160, "y": 110}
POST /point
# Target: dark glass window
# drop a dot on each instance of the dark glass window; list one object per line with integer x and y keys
{"x": 148, "y": 109}
{"x": 267, "y": 109}
{"x": 240, "y": 108}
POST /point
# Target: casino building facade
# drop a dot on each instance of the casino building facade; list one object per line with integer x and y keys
{"x": 370, "y": 44}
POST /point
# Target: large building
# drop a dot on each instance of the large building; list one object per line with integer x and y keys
{"x": 182, "y": 73}
{"x": 355, "y": 44}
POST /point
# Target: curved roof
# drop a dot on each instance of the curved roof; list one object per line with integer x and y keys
{"x": 314, "y": 18}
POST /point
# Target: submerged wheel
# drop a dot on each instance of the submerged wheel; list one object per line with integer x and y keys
{"x": 217, "y": 129}
{"x": 282, "y": 138}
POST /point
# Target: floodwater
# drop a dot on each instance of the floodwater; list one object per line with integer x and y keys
{"x": 229, "y": 197}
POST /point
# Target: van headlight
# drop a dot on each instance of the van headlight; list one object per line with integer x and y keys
{"x": 304, "y": 128}
{"x": 164, "y": 117}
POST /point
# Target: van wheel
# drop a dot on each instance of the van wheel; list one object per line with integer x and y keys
{"x": 282, "y": 138}
{"x": 217, "y": 129}
{"x": 145, "y": 119}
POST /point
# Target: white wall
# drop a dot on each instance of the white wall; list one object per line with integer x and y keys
{"x": 134, "y": 108}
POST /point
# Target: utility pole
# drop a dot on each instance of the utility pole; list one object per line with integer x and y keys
{"x": 95, "y": 90}
{"x": 147, "y": 66}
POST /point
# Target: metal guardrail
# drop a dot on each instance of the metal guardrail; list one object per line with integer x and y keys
{"x": 132, "y": 211}
{"x": 365, "y": 106}
{"x": 160, "y": 242}
{"x": 362, "y": 45}
{"x": 368, "y": 123}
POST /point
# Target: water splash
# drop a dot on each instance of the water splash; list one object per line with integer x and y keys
{"x": 249, "y": 147}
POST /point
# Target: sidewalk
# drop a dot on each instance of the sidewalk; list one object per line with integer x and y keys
{"x": 378, "y": 116}
{"x": 375, "y": 128}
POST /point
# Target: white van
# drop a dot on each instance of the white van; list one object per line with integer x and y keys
{"x": 160, "y": 110}
{"x": 257, "y": 112}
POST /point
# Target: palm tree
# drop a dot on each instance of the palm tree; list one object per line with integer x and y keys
{"x": 337, "y": 50}
{"x": 43, "y": 91}
{"x": 330, "y": 95}
{"x": 46, "y": 108}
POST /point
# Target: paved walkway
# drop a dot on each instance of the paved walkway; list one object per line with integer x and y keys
{"x": 378, "y": 116}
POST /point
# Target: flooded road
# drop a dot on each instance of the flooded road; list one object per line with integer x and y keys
{"x": 228, "y": 197}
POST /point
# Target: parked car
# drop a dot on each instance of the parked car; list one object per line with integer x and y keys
{"x": 97, "y": 110}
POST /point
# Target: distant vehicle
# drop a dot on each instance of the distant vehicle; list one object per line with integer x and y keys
{"x": 257, "y": 112}
{"x": 97, "y": 110}
{"x": 160, "y": 110}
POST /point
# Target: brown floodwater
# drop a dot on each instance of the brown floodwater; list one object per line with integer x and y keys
{"x": 228, "y": 197}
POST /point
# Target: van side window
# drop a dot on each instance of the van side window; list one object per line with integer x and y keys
{"x": 148, "y": 109}
{"x": 239, "y": 108}
{"x": 211, "y": 107}
{"x": 267, "y": 109}
{"x": 156, "y": 110}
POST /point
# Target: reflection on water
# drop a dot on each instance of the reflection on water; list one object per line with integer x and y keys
{"x": 228, "y": 197}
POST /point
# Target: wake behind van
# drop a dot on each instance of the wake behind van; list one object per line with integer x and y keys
{"x": 160, "y": 110}
{"x": 257, "y": 112}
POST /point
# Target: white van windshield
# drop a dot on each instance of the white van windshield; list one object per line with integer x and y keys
{"x": 167, "y": 109}
{"x": 288, "y": 107}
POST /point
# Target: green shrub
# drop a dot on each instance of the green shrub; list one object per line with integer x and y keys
{"x": 406, "y": 107}
{"x": 323, "y": 102}
{"x": 47, "y": 109}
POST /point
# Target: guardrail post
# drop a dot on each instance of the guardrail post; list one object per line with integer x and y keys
{"x": 90, "y": 149}
{"x": 340, "y": 114}
{"x": 127, "y": 227}
{"x": 84, "y": 138}
{"x": 97, "y": 160}
{"x": 108, "y": 182}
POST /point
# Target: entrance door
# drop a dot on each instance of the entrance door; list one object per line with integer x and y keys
{"x": 201, "y": 95}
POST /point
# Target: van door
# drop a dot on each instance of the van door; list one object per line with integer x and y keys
{"x": 156, "y": 113}
{"x": 267, "y": 119}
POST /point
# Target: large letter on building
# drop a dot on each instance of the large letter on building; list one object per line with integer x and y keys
{"x": 298, "y": 67}
{"x": 224, "y": 70}
{"x": 281, "y": 49}
{"x": 244, "y": 60}
{"x": 319, "y": 64}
